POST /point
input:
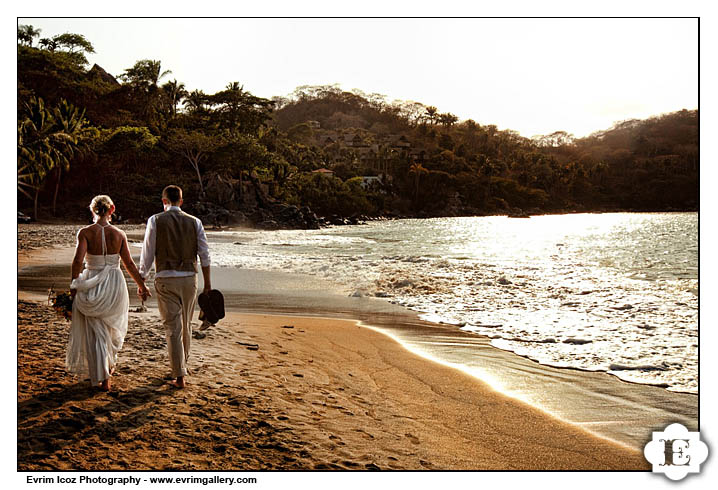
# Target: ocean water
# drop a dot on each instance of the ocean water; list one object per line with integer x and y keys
{"x": 600, "y": 292}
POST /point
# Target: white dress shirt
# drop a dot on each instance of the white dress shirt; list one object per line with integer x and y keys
{"x": 147, "y": 258}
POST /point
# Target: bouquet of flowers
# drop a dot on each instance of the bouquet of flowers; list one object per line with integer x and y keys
{"x": 61, "y": 303}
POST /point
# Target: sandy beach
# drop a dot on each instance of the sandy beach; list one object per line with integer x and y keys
{"x": 276, "y": 391}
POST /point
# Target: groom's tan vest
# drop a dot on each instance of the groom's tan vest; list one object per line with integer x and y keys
{"x": 176, "y": 242}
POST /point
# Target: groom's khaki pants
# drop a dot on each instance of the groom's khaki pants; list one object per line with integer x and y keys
{"x": 176, "y": 297}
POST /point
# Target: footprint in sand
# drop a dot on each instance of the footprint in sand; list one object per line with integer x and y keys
{"x": 365, "y": 434}
{"x": 412, "y": 438}
{"x": 371, "y": 413}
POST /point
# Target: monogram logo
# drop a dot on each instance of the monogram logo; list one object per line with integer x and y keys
{"x": 676, "y": 452}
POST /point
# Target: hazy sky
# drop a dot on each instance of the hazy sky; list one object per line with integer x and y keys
{"x": 535, "y": 76}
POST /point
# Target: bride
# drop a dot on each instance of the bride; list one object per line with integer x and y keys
{"x": 101, "y": 302}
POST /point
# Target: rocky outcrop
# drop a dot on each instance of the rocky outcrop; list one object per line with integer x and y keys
{"x": 212, "y": 214}
{"x": 285, "y": 216}
{"x": 221, "y": 191}
{"x": 231, "y": 203}
{"x": 98, "y": 72}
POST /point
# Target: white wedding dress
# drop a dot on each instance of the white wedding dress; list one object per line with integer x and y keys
{"x": 99, "y": 317}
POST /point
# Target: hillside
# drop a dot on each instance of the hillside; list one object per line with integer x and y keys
{"x": 243, "y": 159}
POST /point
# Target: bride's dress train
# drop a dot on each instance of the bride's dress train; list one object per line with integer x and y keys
{"x": 99, "y": 317}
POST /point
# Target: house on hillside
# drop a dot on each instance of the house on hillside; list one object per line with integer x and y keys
{"x": 314, "y": 124}
{"x": 327, "y": 139}
{"x": 400, "y": 142}
{"x": 369, "y": 155}
{"x": 324, "y": 171}
{"x": 354, "y": 140}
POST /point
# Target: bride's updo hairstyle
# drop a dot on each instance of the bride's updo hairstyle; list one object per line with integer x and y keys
{"x": 100, "y": 206}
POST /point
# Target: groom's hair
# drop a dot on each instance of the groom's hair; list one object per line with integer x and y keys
{"x": 172, "y": 193}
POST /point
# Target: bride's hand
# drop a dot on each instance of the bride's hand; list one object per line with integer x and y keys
{"x": 143, "y": 292}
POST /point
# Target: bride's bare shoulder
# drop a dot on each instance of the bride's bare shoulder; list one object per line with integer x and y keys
{"x": 85, "y": 230}
{"x": 120, "y": 233}
{"x": 115, "y": 233}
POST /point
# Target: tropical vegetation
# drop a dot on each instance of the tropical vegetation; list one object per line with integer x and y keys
{"x": 82, "y": 131}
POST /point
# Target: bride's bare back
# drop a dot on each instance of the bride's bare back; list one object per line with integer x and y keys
{"x": 114, "y": 239}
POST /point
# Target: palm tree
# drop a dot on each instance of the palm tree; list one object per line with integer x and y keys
{"x": 431, "y": 114}
{"x": 235, "y": 86}
{"x": 418, "y": 170}
{"x": 49, "y": 44}
{"x": 447, "y": 119}
{"x": 195, "y": 101}
{"x": 47, "y": 139}
{"x": 26, "y": 33}
{"x": 145, "y": 73}
{"x": 36, "y": 147}
{"x": 71, "y": 121}
{"x": 175, "y": 92}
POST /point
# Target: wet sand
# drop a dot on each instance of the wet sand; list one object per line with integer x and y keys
{"x": 274, "y": 391}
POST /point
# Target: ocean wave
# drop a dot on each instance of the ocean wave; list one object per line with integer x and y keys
{"x": 642, "y": 367}
{"x": 579, "y": 306}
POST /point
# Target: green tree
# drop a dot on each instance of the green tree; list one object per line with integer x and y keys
{"x": 240, "y": 111}
{"x": 194, "y": 146}
{"x": 126, "y": 148}
{"x": 240, "y": 153}
{"x": 143, "y": 78}
{"x": 145, "y": 74}
{"x": 75, "y": 45}
{"x": 447, "y": 119}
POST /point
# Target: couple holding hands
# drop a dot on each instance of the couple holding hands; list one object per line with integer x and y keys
{"x": 173, "y": 241}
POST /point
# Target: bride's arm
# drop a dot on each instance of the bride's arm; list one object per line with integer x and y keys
{"x": 80, "y": 251}
{"x": 130, "y": 265}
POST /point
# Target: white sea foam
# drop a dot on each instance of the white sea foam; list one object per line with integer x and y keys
{"x": 593, "y": 292}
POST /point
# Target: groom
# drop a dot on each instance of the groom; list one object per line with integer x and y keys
{"x": 173, "y": 240}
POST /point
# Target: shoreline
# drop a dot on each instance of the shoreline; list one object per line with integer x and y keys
{"x": 643, "y": 409}
{"x": 137, "y": 227}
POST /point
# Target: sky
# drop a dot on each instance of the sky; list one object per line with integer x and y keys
{"x": 534, "y": 76}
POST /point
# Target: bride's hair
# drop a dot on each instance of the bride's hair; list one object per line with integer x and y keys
{"x": 100, "y": 206}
